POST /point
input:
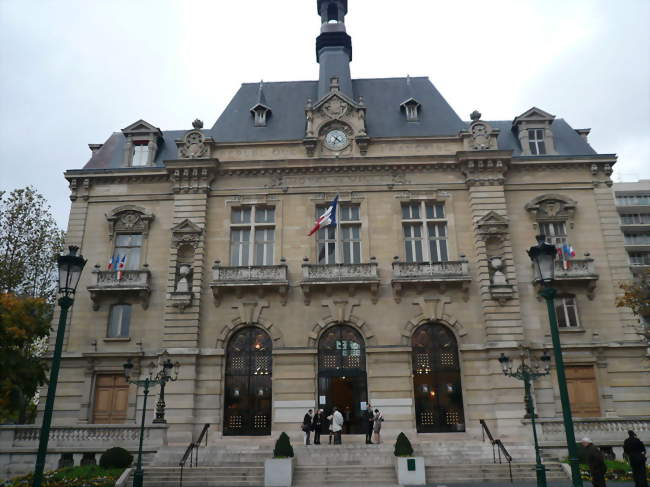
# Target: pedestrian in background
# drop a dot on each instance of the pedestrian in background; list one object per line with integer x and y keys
{"x": 337, "y": 425}
{"x": 306, "y": 426}
{"x": 317, "y": 425}
{"x": 596, "y": 462}
{"x": 376, "y": 425}
{"x": 368, "y": 418}
{"x": 634, "y": 449}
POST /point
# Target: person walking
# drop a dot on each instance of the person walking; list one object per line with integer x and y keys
{"x": 367, "y": 418}
{"x": 337, "y": 425}
{"x": 317, "y": 425}
{"x": 596, "y": 462}
{"x": 306, "y": 426}
{"x": 376, "y": 425}
{"x": 634, "y": 449}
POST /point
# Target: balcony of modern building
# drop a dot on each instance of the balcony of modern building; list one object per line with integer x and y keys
{"x": 116, "y": 285}
{"x": 327, "y": 277}
{"x": 253, "y": 278}
{"x": 430, "y": 274}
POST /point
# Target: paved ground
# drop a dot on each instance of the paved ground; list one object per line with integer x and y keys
{"x": 586, "y": 483}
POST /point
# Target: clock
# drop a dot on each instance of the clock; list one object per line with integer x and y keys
{"x": 336, "y": 140}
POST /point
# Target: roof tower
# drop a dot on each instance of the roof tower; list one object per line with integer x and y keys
{"x": 333, "y": 47}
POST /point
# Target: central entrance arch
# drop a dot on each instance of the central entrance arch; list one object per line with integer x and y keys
{"x": 342, "y": 380}
{"x": 247, "y": 406}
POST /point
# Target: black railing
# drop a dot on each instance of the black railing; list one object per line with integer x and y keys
{"x": 497, "y": 447}
{"x": 192, "y": 452}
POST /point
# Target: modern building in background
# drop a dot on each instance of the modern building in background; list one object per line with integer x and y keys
{"x": 199, "y": 243}
{"x": 633, "y": 206}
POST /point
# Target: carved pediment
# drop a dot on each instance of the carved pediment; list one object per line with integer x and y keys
{"x": 480, "y": 136}
{"x": 492, "y": 224}
{"x": 554, "y": 207}
{"x": 141, "y": 127}
{"x": 186, "y": 233}
{"x": 195, "y": 145}
{"x": 335, "y": 105}
{"x": 534, "y": 114}
{"x": 129, "y": 219}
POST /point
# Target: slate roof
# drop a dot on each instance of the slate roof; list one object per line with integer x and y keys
{"x": 384, "y": 118}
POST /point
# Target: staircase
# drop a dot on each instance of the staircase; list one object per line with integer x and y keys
{"x": 490, "y": 472}
{"x": 242, "y": 474}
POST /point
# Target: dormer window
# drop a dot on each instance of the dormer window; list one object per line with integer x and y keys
{"x": 536, "y": 142}
{"x": 412, "y": 110}
{"x": 140, "y": 156}
{"x": 260, "y": 114}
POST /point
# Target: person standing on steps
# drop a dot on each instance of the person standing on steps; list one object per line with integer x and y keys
{"x": 317, "y": 425}
{"x": 367, "y": 418}
{"x": 596, "y": 462}
{"x": 306, "y": 426}
{"x": 634, "y": 449}
{"x": 337, "y": 425}
{"x": 376, "y": 425}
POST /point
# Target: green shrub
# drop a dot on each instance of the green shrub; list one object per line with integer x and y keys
{"x": 283, "y": 448}
{"x": 403, "y": 446}
{"x": 86, "y": 476}
{"x": 115, "y": 458}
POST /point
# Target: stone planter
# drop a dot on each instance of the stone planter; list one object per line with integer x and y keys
{"x": 414, "y": 476}
{"x": 278, "y": 472}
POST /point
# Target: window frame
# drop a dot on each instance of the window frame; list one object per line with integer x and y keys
{"x": 355, "y": 244}
{"x": 565, "y": 302}
{"x": 253, "y": 226}
{"x": 536, "y": 144}
{"x": 425, "y": 224}
{"x": 125, "y": 318}
{"x": 142, "y": 155}
{"x": 554, "y": 238}
{"x": 129, "y": 261}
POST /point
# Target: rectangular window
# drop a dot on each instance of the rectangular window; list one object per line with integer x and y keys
{"x": 425, "y": 232}
{"x": 140, "y": 154}
{"x": 637, "y": 238}
{"x": 536, "y": 142}
{"x": 555, "y": 232}
{"x": 128, "y": 248}
{"x": 252, "y": 222}
{"x": 633, "y": 199}
{"x": 635, "y": 219}
{"x": 567, "y": 312}
{"x": 639, "y": 258}
{"x": 119, "y": 320}
{"x": 343, "y": 242}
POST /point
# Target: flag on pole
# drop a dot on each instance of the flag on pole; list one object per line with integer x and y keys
{"x": 120, "y": 267}
{"x": 111, "y": 263}
{"x": 327, "y": 218}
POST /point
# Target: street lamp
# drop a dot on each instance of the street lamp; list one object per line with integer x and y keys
{"x": 70, "y": 267}
{"x": 529, "y": 373}
{"x": 164, "y": 376}
{"x": 543, "y": 257}
{"x": 152, "y": 379}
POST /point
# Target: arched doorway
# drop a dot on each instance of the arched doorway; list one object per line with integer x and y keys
{"x": 342, "y": 374}
{"x": 247, "y": 406}
{"x": 436, "y": 380}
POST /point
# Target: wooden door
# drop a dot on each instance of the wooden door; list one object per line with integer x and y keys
{"x": 111, "y": 399}
{"x": 583, "y": 391}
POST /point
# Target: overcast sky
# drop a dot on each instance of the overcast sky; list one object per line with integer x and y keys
{"x": 74, "y": 71}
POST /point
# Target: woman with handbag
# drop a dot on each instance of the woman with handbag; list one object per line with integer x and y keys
{"x": 376, "y": 425}
{"x": 306, "y": 426}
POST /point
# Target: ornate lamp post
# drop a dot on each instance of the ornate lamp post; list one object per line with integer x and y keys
{"x": 70, "y": 267}
{"x": 152, "y": 379}
{"x": 164, "y": 376}
{"x": 529, "y": 373}
{"x": 543, "y": 257}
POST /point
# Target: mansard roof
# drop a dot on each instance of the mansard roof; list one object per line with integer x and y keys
{"x": 382, "y": 97}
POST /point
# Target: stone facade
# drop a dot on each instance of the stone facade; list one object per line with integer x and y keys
{"x": 189, "y": 297}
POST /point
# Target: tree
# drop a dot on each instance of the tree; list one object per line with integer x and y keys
{"x": 24, "y": 324}
{"x": 29, "y": 243}
{"x": 636, "y": 296}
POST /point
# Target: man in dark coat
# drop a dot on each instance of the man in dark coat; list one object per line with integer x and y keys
{"x": 596, "y": 461}
{"x": 367, "y": 418}
{"x": 306, "y": 426}
{"x": 635, "y": 451}
{"x": 317, "y": 425}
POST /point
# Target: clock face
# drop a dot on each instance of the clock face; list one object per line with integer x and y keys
{"x": 336, "y": 140}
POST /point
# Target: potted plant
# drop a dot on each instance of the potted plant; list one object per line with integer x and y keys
{"x": 410, "y": 469}
{"x": 278, "y": 471}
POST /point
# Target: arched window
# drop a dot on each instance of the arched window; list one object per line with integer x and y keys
{"x": 342, "y": 374}
{"x": 247, "y": 405}
{"x": 436, "y": 380}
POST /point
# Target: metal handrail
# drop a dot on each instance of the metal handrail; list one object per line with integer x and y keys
{"x": 192, "y": 452}
{"x": 500, "y": 448}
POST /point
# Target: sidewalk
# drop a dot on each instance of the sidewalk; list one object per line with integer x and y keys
{"x": 586, "y": 483}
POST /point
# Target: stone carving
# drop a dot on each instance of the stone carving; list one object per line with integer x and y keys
{"x": 129, "y": 219}
{"x": 197, "y": 124}
{"x": 492, "y": 225}
{"x": 555, "y": 207}
{"x": 498, "y": 277}
{"x": 336, "y": 108}
{"x": 182, "y": 285}
{"x": 480, "y": 137}
{"x": 194, "y": 146}
{"x": 186, "y": 233}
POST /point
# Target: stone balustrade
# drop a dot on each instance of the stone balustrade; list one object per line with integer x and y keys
{"x": 315, "y": 276}
{"x": 602, "y": 431}
{"x": 420, "y": 274}
{"x": 576, "y": 269}
{"x": 132, "y": 283}
{"x": 241, "y": 278}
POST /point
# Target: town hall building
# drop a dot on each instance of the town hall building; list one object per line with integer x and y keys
{"x": 405, "y": 302}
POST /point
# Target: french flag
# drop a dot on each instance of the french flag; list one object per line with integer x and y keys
{"x": 112, "y": 263}
{"x": 120, "y": 267}
{"x": 327, "y": 218}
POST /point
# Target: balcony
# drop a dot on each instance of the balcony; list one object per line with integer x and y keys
{"x": 423, "y": 274}
{"x": 257, "y": 278}
{"x": 331, "y": 276}
{"x": 581, "y": 272}
{"x": 602, "y": 431}
{"x": 132, "y": 283}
